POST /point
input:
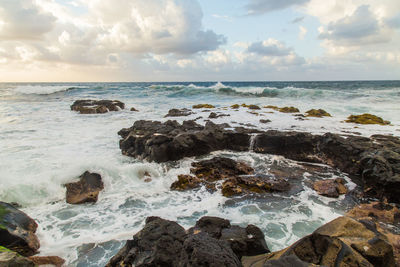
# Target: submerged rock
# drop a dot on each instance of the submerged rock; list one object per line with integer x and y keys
{"x": 253, "y": 107}
{"x": 317, "y": 113}
{"x": 179, "y": 112}
{"x": 203, "y": 106}
{"x": 330, "y": 187}
{"x": 10, "y": 258}
{"x": 211, "y": 242}
{"x": 133, "y": 109}
{"x": 96, "y": 106}
{"x": 341, "y": 242}
{"x": 87, "y": 189}
{"x": 17, "y": 230}
{"x": 265, "y": 121}
{"x": 367, "y": 119}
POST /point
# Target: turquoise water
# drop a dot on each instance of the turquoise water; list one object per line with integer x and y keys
{"x": 44, "y": 145}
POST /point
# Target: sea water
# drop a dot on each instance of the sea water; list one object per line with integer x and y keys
{"x": 45, "y": 145}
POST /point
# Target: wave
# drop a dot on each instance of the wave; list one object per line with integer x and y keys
{"x": 43, "y": 89}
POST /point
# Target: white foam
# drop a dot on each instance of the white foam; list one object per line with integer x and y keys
{"x": 43, "y": 89}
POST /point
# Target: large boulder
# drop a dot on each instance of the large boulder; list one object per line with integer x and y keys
{"x": 330, "y": 187}
{"x": 211, "y": 242}
{"x": 17, "y": 230}
{"x": 96, "y": 106}
{"x": 341, "y": 242}
{"x": 47, "y": 260}
{"x": 85, "y": 190}
{"x": 10, "y": 258}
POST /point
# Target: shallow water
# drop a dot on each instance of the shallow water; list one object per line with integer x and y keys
{"x": 45, "y": 145}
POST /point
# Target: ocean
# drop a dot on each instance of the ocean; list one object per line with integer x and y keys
{"x": 45, "y": 145}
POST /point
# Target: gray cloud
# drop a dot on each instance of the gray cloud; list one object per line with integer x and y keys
{"x": 394, "y": 22}
{"x": 269, "y": 49}
{"x": 359, "y": 25}
{"x": 258, "y": 7}
{"x": 297, "y": 20}
{"x": 23, "y": 20}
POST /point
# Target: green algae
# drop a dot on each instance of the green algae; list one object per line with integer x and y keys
{"x": 366, "y": 118}
{"x": 317, "y": 113}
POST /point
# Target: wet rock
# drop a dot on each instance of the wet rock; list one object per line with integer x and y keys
{"x": 331, "y": 187}
{"x": 203, "y": 250}
{"x": 185, "y": 182}
{"x": 179, "y": 112}
{"x": 211, "y": 242}
{"x": 255, "y": 107}
{"x": 17, "y": 230}
{"x": 203, "y": 106}
{"x": 265, "y": 121}
{"x": 133, "y": 109}
{"x": 272, "y": 107}
{"x": 367, "y": 119}
{"x": 341, "y": 242}
{"x": 47, "y": 260}
{"x": 378, "y": 211}
{"x": 253, "y": 184}
{"x": 317, "y": 113}
{"x": 214, "y": 115}
{"x": 235, "y": 106}
{"x": 10, "y": 258}
{"x": 289, "y": 110}
{"x": 97, "y": 106}
{"x": 87, "y": 189}
{"x": 219, "y": 168}
{"x": 159, "y": 243}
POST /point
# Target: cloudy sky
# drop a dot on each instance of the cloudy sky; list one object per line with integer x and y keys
{"x": 199, "y": 40}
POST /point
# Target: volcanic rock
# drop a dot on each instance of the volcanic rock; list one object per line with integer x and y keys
{"x": 17, "y": 230}
{"x": 367, "y": 119}
{"x": 13, "y": 259}
{"x": 47, "y": 260}
{"x": 179, "y": 112}
{"x": 87, "y": 189}
{"x": 330, "y": 187}
{"x": 96, "y": 106}
{"x": 317, "y": 113}
{"x": 203, "y": 106}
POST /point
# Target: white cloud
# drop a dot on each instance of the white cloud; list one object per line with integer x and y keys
{"x": 270, "y": 47}
{"x": 23, "y": 20}
{"x": 302, "y": 32}
{"x": 257, "y": 7}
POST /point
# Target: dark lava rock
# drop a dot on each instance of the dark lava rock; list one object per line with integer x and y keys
{"x": 330, "y": 187}
{"x": 374, "y": 161}
{"x": 185, "y": 182}
{"x": 17, "y": 230}
{"x": 87, "y": 189}
{"x": 96, "y": 106}
{"x": 159, "y": 243}
{"x": 10, "y": 258}
{"x": 265, "y": 121}
{"x": 161, "y": 142}
{"x": 214, "y": 115}
{"x": 211, "y": 242}
{"x": 179, "y": 112}
{"x": 133, "y": 109}
{"x": 341, "y": 242}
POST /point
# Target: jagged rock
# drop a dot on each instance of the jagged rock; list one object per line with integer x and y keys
{"x": 185, "y": 182}
{"x": 203, "y": 106}
{"x": 17, "y": 230}
{"x": 96, "y": 106}
{"x": 317, "y": 113}
{"x": 159, "y": 243}
{"x": 341, "y": 242}
{"x": 211, "y": 242}
{"x": 47, "y": 260}
{"x": 330, "y": 187}
{"x": 87, "y": 189}
{"x": 367, "y": 119}
{"x": 379, "y": 211}
{"x": 179, "y": 112}
{"x": 253, "y": 184}
{"x": 214, "y": 115}
{"x": 10, "y": 258}
{"x": 375, "y": 160}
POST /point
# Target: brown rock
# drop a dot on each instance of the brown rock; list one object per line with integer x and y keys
{"x": 47, "y": 260}
{"x": 185, "y": 182}
{"x": 134, "y": 109}
{"x": 317, "y": 113}
{"x": 87, "y": 189}
{"x": 96, "y": 106}
{"x": 330, "y": 188}
{"x": 382, "y": 212}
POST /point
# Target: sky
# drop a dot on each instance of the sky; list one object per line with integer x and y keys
{"x": 198, "y": 40}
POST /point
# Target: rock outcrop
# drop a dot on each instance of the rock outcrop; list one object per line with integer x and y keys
{"x": 17, "y": 230}
{"x": 375, "y": 160}
{"x": 96, "y": 106}
{"x": 211, "y": 242}
{"x": 47, "y": 260}
{"x": 341, "y": 242}
{"x": 367, "y": 119}
{"x": 10, "y": 258}
{"x": 85, "y": 190}
{"x": 317, "y": 113}
{"x": 179, "y": 112}
{"x": 331, "y": 187}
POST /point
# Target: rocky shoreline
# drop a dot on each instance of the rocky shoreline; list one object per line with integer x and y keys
{"x": 363, "y": 237}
